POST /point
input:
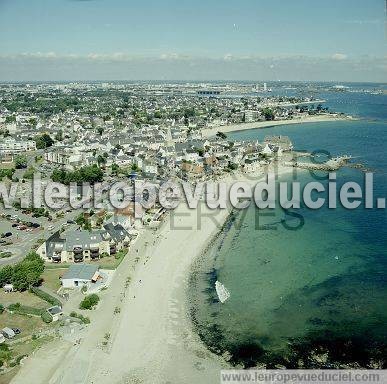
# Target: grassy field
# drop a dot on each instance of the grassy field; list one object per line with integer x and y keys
{"x": 112, "y": 262}
{"x": 24, "y": 298}
{"x": 28, "y": 347}
{"x": 51, "y": 278}
{"x": 28, "y": 324}
{"x": 23, "y": 349}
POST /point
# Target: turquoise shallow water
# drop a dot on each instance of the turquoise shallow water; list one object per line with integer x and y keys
{"x": 311, "y": 297}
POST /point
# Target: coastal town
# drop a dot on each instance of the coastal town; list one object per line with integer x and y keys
{"x": 193, "y": 192}
{"x": 57, "y": 265}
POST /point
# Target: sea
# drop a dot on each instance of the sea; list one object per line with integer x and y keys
{"x": 308, "y": 288}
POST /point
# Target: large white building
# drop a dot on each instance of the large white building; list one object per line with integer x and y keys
{"x": 66, "y": 157}
{"x": 251, "y": 116}
{"x": 9, "y": 145}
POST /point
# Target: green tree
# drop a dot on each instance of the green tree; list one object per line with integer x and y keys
{"x": 59, "y": 135}
{"x": 80, "y": 219}
{"x": 5, "y": 353}
{"x": 20, "y": 161}
{"x": 115, "y": 169}
{"x": 27, "y": 272}
{"x": 6, "y": 173}
{"x": 10, "y": 119}
{"x": 101, "y": 160}
{"x": 29, "y": 173}
{"x": 135, "y": 168}
{"x": 90, "y": 174}
{"x": 83, "y": 221}
{"x": 33, "y": 122}
{"x": 89, "y": 302}
{"x": 6, "y": 274}
{"x": 43, "y": 141}
{"x": 268, "y": 113}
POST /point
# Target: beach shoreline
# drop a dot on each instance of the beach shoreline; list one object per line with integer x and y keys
{"x": 152, "y": 338}
{"x": 208, "y": 132}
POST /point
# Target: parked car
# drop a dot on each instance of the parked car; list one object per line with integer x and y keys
{"x": 14, "y": 225}
{"x": 17, "y": 331}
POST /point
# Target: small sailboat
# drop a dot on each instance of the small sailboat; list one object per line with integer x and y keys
{"x": 222, "y": 292}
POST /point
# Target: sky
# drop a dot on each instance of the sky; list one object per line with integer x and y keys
{"x": 311, "y": 40}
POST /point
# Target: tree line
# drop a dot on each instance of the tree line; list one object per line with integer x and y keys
{"x": 25, "y": 274}
{"x": 91, "y": 174}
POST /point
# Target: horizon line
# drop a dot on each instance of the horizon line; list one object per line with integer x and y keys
{"x": 186, "y": 81}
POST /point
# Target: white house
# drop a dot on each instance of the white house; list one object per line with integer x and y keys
{"x": 267, "y": 150}
{"x": 55, "y": 312}
{"x": 80, "y": 275}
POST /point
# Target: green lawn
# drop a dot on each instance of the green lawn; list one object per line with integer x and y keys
{"x": 25, "y": 298}
{"x": 28, "y": 324}
{"x": 112, "y": 262}
{"x": 22, "y": 349}
{"x": 51, "y": 278}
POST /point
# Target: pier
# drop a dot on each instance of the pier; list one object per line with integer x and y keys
{"x": 331, "y": 165}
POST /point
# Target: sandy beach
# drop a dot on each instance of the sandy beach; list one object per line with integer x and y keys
{"x": 265, "y": 124}
{"x": 151, "y": 340}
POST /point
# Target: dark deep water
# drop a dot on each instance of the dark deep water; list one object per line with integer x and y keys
{"x": 313, "y": 297}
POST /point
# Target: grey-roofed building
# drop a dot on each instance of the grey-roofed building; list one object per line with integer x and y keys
{"x": 79, "y": 275}
{"x": 55, "y": 312}
{"x": 80, "y": 245}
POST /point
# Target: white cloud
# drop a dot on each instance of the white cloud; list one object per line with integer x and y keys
{"x": 123, "y": 65}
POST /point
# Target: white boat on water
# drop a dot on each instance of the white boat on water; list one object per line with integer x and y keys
{"x": 222, "y": 292}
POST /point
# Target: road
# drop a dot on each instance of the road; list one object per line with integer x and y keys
{"x": 22, "y": 240}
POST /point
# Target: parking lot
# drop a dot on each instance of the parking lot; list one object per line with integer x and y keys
{"x": 24, "y": 237}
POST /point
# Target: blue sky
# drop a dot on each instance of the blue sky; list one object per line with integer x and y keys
{"x": 258, "y": 39}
